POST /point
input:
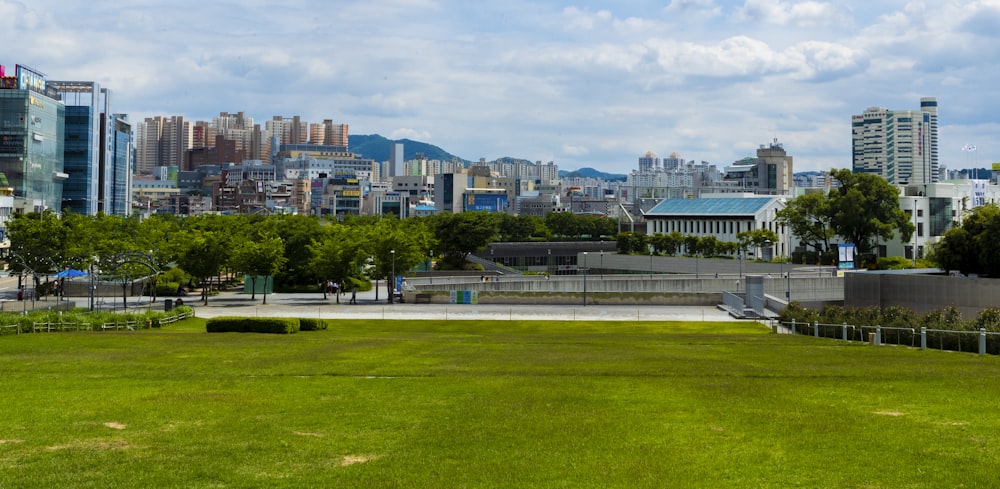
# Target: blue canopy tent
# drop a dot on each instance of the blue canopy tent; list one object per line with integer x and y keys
{"x": 70, "y": 273}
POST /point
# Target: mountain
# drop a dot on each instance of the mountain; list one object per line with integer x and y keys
{"x": 592, "y": 173}
{"x": 376, "y": 147}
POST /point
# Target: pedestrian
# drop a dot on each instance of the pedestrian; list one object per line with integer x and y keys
{"x": 354, "y": 294}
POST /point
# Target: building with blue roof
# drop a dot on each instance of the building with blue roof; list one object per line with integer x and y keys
{"x": 723, "y": 216}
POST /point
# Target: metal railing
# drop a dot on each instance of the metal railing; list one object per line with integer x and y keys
{"x": 981, "y": 341}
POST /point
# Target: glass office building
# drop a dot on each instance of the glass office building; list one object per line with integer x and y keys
{"x": 31, "y": 145}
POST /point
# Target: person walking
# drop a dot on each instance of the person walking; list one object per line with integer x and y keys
{"x": 354, "y": 294}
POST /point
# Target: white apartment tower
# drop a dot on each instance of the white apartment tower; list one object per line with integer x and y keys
{"x": 899, "y": 145}
{"x": 649, "y": 163}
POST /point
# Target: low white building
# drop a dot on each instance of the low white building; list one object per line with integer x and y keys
{"x": 723, "y": 216}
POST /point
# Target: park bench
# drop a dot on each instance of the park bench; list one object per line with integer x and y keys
{"x": 425, "y": 298}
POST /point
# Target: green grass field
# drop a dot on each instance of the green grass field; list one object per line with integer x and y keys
{"x": 428, "y": 404}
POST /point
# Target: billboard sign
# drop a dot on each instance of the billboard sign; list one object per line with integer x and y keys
{"x": 28, "y": 79}
{"x": 845, "y": 256}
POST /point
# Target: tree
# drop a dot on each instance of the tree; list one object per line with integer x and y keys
{"x": 202, "y": 254}
{"x": 463, "y": 233}
{"x": 865, "y": 208}
{"x": 262, "y": 257}
{"x": 339, "y": 253}
{"x": 632, "y": 242}
{"x": 756, "y": 239}
{"x": 972, "y": 247}
{"x": 808, "y": 218}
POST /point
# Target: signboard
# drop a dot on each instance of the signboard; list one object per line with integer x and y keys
{"x": 996, "y": 167}
{"x": 11, "y": 143}
{"x": 28, "y": 79}
{"x": 978, "y": 192}
{"x": 8, "y": 82}
{"x": 464, "y": 296}
{"x": 351, "y": 193}
{"x": 845, "y": 256}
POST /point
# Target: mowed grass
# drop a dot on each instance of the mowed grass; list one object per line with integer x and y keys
{"x": 495, "y": 404}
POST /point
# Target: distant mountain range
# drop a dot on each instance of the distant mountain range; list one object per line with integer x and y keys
{"x": 376, "y": 147}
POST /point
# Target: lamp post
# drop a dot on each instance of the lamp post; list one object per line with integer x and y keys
{"x": 651, "y": 264}
{"x": 548, "y": 264}
{"x": 788, "y": 284}
{"x": 585, "y": 279}
{"x": 392, "y": 284}
{"x": 430, "y": 263}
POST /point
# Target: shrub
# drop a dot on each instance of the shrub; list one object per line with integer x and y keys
{"x": 310, "y": 324}
{"x": 252, "y": 325}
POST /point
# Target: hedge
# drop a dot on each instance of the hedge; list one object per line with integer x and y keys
{"x": 252, "y": 325}
{"x": 311, "y": 324}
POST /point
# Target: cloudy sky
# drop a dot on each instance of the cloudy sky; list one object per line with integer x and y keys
{"x": 584, "y": 84}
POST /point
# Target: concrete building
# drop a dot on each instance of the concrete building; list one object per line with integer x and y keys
{"x": 899, "y": 145}
{"x": 770, "y": 173}
{"x": 32, "y": 139}
{"x": 98, "y": 151}
{"x": 722, "y": 216}
{"x": 162, "y": 141}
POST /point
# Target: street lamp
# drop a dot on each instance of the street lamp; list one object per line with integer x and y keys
{"x": 392, "y": 284}
{"x": 548, "y": 264}
{"x": 651, "y": 264}
{"x": 585, "y": 279}
{"x": 430, "y": 263}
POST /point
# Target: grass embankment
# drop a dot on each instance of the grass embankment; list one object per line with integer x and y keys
{"x": 491, "y": 404}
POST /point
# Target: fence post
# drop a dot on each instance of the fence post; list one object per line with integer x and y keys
{"x": 816, "y": 329}
{"x": 982, "y": 341}
{"x": 843, "y": 331}
{"x": 878, "y": 335}
{"x": 793, "y": 326}
{"x": 923, "y": 337}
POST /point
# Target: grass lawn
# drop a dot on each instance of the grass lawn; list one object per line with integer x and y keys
{"x": 501, "y": 404}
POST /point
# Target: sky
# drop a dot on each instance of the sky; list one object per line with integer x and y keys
{"x": 583, "y": 84}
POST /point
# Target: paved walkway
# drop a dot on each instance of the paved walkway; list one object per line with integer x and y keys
{"x": 313, "y": 305}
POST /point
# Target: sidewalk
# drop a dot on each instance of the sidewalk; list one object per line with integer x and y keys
{"x": 314, "y": 306}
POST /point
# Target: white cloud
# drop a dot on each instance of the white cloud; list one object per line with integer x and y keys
{"x": 574, "y": 150}
{"x": 584, "y": 19}
{"x": 408, "y": 133}
{"x": 593, "y": 84}
{"x": 792, "y": 13}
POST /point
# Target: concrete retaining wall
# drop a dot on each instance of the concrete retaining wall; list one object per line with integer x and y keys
{"x": 922, "y": 293}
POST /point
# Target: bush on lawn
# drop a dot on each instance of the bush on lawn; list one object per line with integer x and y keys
{"x": 252, "y": 325}
{"x": 310, "y": 324}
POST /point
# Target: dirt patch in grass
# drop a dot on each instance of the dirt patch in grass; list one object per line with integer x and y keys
{"x": 890, "y": 413}
{"x": 357, "y": 459}
{"x": 306, "y": 433}
{"x": 4, "y": 442}
{"x": 114, "y": 425}
{"x": 92, "y": 445}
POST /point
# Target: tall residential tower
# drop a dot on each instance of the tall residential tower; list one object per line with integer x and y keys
{"x": 899, "y": 145}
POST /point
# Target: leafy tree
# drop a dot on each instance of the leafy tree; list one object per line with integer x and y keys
{"x": 37, "y": 242}
{"x": 756, "y": 239}
{"x": 808, "y": 218}
{"x": 463, "y": 233}
{"x": 971, "y": 248}
{"x": 339, "y": 253}
{"x": 519, "y": 228}
{"x": 667, "y": 244}
{"x": 563, "y": 224}
{"x": 708, "y": 245}
{"x": 263, "y": 256}
{"x": 632, "y": 242}
{"x": 865, "y": 208}
{"x": 202, "y": 253}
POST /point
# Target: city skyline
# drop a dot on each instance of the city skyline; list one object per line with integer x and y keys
{"x": 580, "y": 84}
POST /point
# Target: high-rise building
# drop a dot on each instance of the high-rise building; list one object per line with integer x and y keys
{"x": 162, "y": 141}
{"x": 396, "y": 161}
{"x": 649, "y": 162}
{"x": 899, "y": 145}
{"x": 97, "y": 153}
{"x": 32, "y": 130}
